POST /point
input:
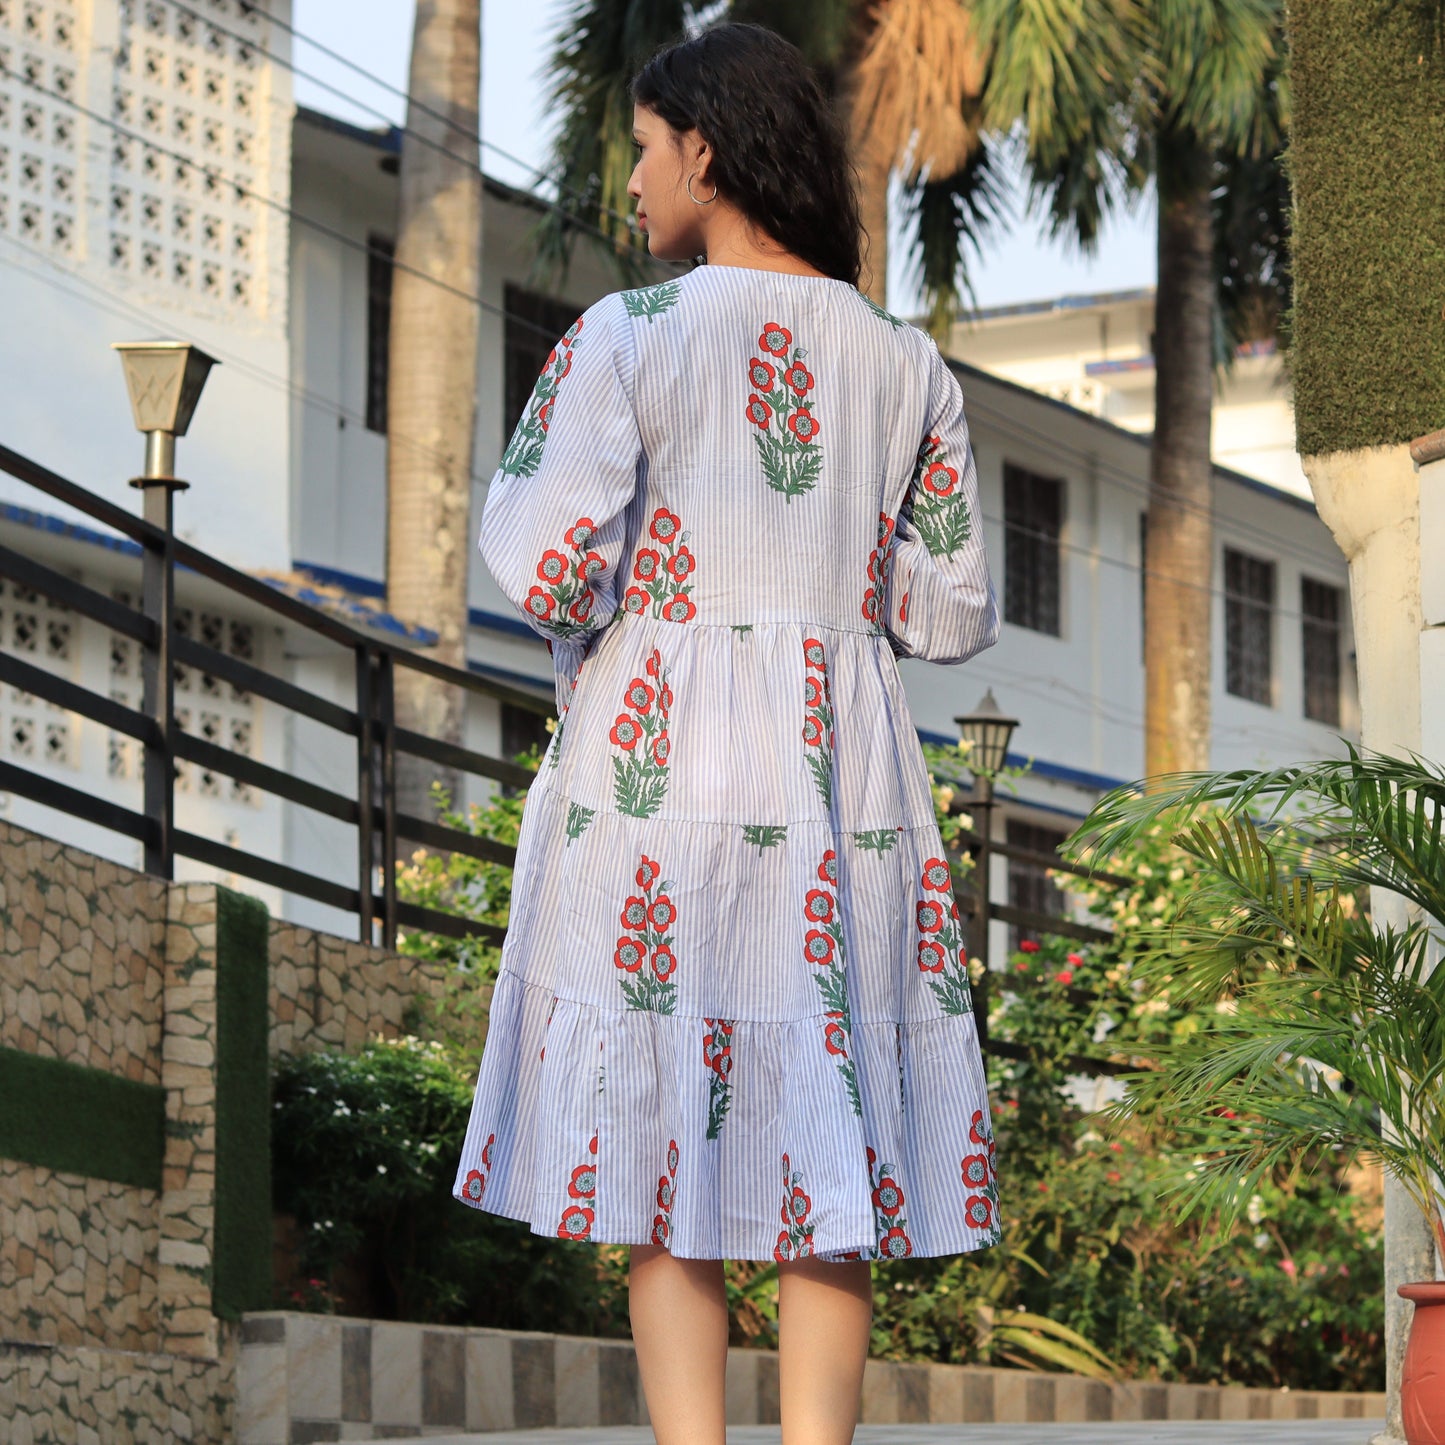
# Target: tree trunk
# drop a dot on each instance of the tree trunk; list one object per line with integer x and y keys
{"x": 1180, "y": 547}
{"x": 432, "y": 385}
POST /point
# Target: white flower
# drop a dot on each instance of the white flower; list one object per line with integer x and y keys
{"x": 1132, "y": 921}
{"x": 381, "y": 1168}
{"x": 1175, "y": 874}
{"x": 1228, "y": 1006}
{"x": 341, "y": 1112}
{"x": 945, "y": 798}
{"x": 1254, "y": 1211}
{"x": 1261, "y": 1241}
{"x": 1159, "y": 904}
{"x": 1145, "y": 871}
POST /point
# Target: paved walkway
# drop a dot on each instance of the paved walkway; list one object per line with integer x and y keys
{"x": 1204, "y": 1432}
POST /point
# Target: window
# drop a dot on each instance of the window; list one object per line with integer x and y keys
{"x": 522, "y": 729}
{"x": 1321, "y": 607}
{"x": 1033, "y": 514}
{"x": 378, "y": 329}
{"x": 1249, "y": 627}
{"x": 1029, "y": 884}
{"x": 534, "y": 322}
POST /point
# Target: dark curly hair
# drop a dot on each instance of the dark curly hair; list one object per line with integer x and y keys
{"x": 779, "y": 152}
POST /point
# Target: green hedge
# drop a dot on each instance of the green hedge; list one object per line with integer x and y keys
{"x": 1369, "y": 229}
{"x": 79, "y": 1120}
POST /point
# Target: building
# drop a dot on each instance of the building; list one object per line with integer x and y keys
{"x": 1096, "y": 353}
{"x": 191, "y": 198}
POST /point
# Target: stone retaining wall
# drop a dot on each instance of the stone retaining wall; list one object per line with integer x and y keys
{"x": 323, "y": 1377}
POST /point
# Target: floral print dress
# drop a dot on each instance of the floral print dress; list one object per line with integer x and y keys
{"x": 733, "y": 1014}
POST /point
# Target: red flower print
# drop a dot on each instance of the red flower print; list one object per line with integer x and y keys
{"x": 895, "y": 1244}
{"x": 813, "y": 653}
{"x": 1028, "y": 946}
{"x": 591, "y": 1143}
{"x": 798, "y": 1206}
{"x": 639, "y": 696}
{"x": 584, "y": 1182}
{"x": 576, "y": 1223}
{"x": 666, "y": 699}
{"x": 629, "y": 954}
{"x": 552, "y": 567}
{"x": 634, "y": 913}
{"x": 759, "y": 412}
{"x": 936, "y": 875}
{"x": 775, "y": 339}
{"x": 661, "y": 747}
{"x": 978, "y": 1211}
{"x": 828, "y": 868}
{"x": 885, "y": 527}
{"x": 625, "y": 732}
{"x": 888, "y": 1196}
{"x": 581, "y": 609}
{"x": 648, "y": 873}
{"x": 487, "y": 1147}
{"x": 722, "y": 1066}
{"x": 783, "y": 1249}
{"x": 579, "y": 534}
{"x": 973, "y": 1132}
{"x": 870, "y": 606}
{"x": 818, "y": 906}
{"x": 903, "y": 608}
{"x": 661, "y": 914}
{"x": 672, "y": 1156}
{"x": 803, "y": 425}
{"x": 930, "y": 916}
{"x": 940, "y": 480}
{"x": 664, "y": 1193}
{"x": 544, "y": 412}
{"x": 931, "y": 955}
{"x": 663, "y": 963}
{"x": 660, "y": 1229}
{"x": 664, "y": 525}
{"x": 818, "y": 947}
{"x": 653, "y": 664}
{"x": 681, "y": 564}
{"x": 812, "y": 731}
{"x": 590, "y": 565}
{"x": 835, "y": 1038}
{"x": 812, "y": 692}
{"x": 974, "y": 1168}
{"x": 761, "y": 374}
{"x": 799, "y": 378}
{"x": 634, "y": 600}
{"x": 678, "y": 609}
{"x": 645, "y": 564}
{"x": 475, "y": 1186}
{"x": 872, "y": 1157}
{"x": 539, "y": 603}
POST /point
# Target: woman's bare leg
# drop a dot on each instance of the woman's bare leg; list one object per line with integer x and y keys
{"x": 680, "y": 1328}
{"x": 824, "y": 1315}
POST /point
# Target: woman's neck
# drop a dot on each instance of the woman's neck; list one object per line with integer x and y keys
{"x": 730, "y": 241}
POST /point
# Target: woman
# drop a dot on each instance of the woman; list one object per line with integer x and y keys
{"x": 732, "y": 1019}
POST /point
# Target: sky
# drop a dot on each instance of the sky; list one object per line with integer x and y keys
{"x": 1019, "y": 264}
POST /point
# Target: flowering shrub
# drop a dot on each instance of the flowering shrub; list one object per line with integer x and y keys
{"x": 364, "y": 1149}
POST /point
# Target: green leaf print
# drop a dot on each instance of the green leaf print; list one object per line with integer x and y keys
{"x": 879, "y": 840}
{"x": 764, "y": 835}
{"x": 953, "y": 993}
{"x": 936, "y": 505}
{"x": 640, "y": 733}
{"x": 822, "y": 766}
{"x": 650, "y": 994}
{"x": 638, "y": 787}
{"x": 524, "y": 452}
{"x": 877, "y": 310}
{"x": 780, "y": 406}
{"x": 742, "y": 628}
{"x": 717, "y": 1053}
{"x": 650, "y": 301}
{"x": 578, "y": 817}
{"x": 644, "y": 952}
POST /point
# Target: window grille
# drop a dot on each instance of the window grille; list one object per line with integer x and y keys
{"x": 1249, "y": 626}
{"x": 1321, "y": 609}
{"x": 1029, "y": 884}
{"x": 1033, "y": 514}
{"x": 378, "y": 329}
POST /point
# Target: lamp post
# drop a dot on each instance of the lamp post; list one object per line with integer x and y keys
{"x": 164, "y": 379}
{"x": 985, "y": 734}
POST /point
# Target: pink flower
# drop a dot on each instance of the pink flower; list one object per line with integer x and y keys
{"x": 1064, "y": 976}
{"x": 1289, "y": 1267}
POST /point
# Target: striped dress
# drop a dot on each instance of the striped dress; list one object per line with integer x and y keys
{"x": 733, "y": 1013}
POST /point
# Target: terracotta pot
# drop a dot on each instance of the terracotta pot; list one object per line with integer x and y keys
{"x": 1422, "y": 1383}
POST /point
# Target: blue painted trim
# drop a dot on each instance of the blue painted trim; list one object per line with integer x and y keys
{"x": 366, "y": 587}
{"x": 1055, "y": 772}
{"x": 57, "y": 527}
{"x": 515, "y": 679}
{"x": 1058, "y": 303}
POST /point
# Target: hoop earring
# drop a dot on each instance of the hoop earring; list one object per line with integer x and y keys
{"x": 694, "y": 199}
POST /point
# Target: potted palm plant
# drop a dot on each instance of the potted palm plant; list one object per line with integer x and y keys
{"x": 1328, "y": 1031}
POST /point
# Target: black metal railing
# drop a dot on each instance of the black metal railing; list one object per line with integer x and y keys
{"x": 369, "y": 724}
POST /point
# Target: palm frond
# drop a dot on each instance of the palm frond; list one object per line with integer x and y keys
{"x": 917, "y": 85}
{"x": 949, "y": 216}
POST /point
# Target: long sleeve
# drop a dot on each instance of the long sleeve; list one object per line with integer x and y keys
{"x": 554, "y": 524}
{"x": 939, "y": 600}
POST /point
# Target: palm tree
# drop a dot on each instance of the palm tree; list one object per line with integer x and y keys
{"x": 432, "y": 384}
{"x": 906, "y": 75}
{"x": 1113, "y": 95}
